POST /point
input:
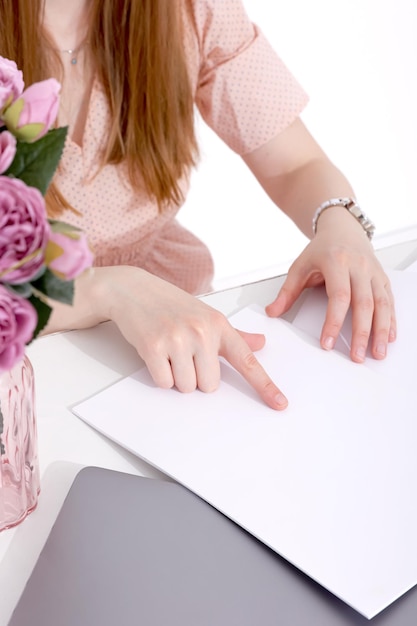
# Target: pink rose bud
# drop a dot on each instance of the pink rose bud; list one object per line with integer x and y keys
{"x": 68, "y": 253}
{"x": 34, "y": 112}
{"x": 24, "y": 231}
{"x": 7, "y": 150}
{"x": 11, "y": 82}
{"x": 18, "y": 321}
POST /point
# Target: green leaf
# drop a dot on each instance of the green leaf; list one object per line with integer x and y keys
{"x": 43, "y": 311}
{"x": 55, "y": 288}
{"x": 35, "y": 163}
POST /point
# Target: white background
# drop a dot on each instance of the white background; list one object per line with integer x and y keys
{"x": 357, "y": 60}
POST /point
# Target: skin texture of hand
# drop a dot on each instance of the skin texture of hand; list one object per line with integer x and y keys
{"x": 179, "y": 337}
{"x": 341, "y": 257}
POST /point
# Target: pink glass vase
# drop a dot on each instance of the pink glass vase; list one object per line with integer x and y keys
{"x": 19, "y": 469}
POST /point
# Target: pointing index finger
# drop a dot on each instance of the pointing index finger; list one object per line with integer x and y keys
{"x": 236, "y": 351}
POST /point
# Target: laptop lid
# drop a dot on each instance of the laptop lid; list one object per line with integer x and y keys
{"x": 128, "y": 550}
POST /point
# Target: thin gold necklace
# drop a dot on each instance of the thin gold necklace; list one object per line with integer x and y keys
{"x": 73, "y": 52}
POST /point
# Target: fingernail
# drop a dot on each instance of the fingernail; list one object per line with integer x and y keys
{"x": 329, "y": 343}
{"x": 281, "y": 400}
{"x": 392, "y": 335}
{"x": 381, "y": 349}
{"x": 360, "y": 353}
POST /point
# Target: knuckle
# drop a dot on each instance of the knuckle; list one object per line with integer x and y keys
{"x": 383, "y": 302}
{"x": 332, "y": 328}
{"x": 366, "y": 303}
{"x": 199, "y": 333}
{"x": 269, "y": 387}
{"x": 249, "y": 361}
{"x": 382, "y": 333}
{"x": 217, "y": 319}
{"x": 363, "y": 263}
{"x": 339, "y": 256}
{"x": 342, "y": 295}
{"x": 342, "y": 256}
{"x": 152, "y": 345}
{"x": 203, "y": 327}
{"x": 176, "y": 342}
{"x": 362, "y": 336}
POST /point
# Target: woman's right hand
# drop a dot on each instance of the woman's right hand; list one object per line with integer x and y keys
{"x": 179, "y": 337}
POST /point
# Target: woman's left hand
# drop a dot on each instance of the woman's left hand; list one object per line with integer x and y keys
{"x": 342, "y": 257}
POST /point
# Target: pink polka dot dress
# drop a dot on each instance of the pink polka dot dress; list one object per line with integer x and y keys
{"x": 244, "y": 93}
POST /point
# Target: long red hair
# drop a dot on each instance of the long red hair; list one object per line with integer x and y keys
{"x": 137, "y": 48}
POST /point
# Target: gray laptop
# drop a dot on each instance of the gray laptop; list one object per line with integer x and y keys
{"x": 127, "y": 550}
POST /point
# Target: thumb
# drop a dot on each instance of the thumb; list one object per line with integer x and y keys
{"x": 255, "y": 341}
{"x": 287, "y": 295}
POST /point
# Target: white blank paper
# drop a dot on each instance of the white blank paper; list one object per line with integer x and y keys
{"x": 329, "y": 483}
{"x": 412, "y": 267}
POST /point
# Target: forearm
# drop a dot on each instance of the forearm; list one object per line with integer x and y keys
{"x": 300, "y": 192}
{"x": 297, "y": 175}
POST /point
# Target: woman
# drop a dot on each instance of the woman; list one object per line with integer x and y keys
{"x": 131, "y": 73}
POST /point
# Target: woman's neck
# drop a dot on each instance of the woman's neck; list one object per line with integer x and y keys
{"x": 66, "y": 21}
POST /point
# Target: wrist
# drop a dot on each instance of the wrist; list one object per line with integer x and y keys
{"x": 115, "y": 287}
{"x": 351, "y": 207}
{"x": 83, "y": 312}
{"x": 99, "y": 290}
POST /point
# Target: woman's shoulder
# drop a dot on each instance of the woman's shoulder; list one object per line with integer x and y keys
{"x": 219, "y": 18}
{"x": 221, "y": 28}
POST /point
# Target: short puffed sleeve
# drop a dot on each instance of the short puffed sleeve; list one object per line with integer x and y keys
{"x": 245, "y": 92}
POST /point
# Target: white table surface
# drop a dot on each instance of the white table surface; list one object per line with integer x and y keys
{"x": 73, "y": 365}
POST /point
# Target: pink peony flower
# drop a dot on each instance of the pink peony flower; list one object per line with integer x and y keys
{"x": 18, "y": 321}
{"x": 7, "y": 150}
{"x": 24, "y": 231}
{"x": 68, "y": 253}
{"x": 11, "y": 82}
{"x": 31, "y": 115}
